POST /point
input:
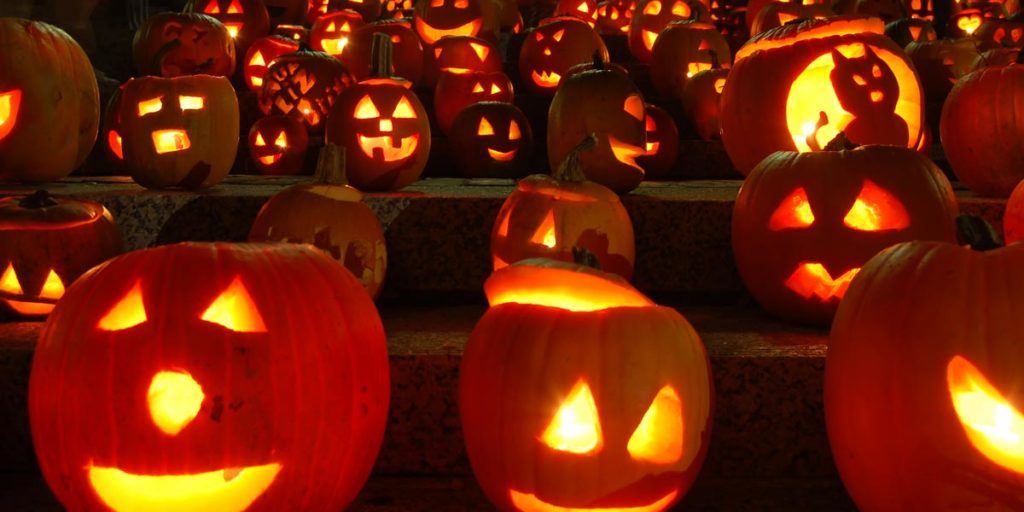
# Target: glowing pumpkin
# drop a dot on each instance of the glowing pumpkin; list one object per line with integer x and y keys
{"x": 652, "y": 16}
{"x": 964, "y": 22}
{"x": 491, "y": 140}
{"x": 940, "y": 63}
{"x": 261, "y": 53}
{"x": 370, "y": 10}
{"x": 1000, "y": 33}
{"x": 245, "y": 20}
{"x": 662, "y": 143}
{"x": 702, "y": 101}
{"x": 303, "y": 85}
{"x": 220, "y": 399}
{"x": 585, "y": 10}
{"x": 551, "y": 49}
{"x": 332, "y": 31}
{"x": 173, "y": 44}
{"x": 613, "y": 421}
{"x": 407, "y": 51}
{"x": 277, "y": 145}
{"x": 459, "y": 54}
{"x": 908, "y": 30}
{"x": 684, "y": 49}
{"x": 456, "y": 91}
{"x": 776, "y": 14}
{"x": 435, "y": 19}
{"x": 614, "y": 16}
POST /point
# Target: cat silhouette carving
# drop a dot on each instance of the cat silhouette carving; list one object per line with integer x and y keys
{"x": 867, "y": 88}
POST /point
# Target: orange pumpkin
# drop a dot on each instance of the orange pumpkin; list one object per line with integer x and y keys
{"x": 491, "y": 140}
{"x": 684, "y": 49}
{"x": 407, "y": 52}
{"x": 245, "y": 20}
{"x": 459, "y": 54}
{"x": 456, "y": 91}
{"x": 261, "y": 53}
{"x": 549, "y": 51}
{"x": 662, "y": 143}
{"x": 435, "y": 19}
{"x": 173, "y": 44}
{"x": 653, "y": 16}
{"x": 702, "y": 97}
{"x": 277, "y": 145}
{"x": 332, "y": 31}
{"x": 304, "y": 85}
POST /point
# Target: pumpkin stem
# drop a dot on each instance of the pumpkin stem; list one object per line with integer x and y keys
{"x": 39, "y": 199}
{"x": 715, "y": 63}
{"x": 571, "y": 168}
{"x": 977, "y": 233}
{"x": 330, "y": 166}
{"x": 380, "y": 56}
{"x": 583, "y": 256}
{"x": 598, "y": 60}
{"x": 841, "y": 143}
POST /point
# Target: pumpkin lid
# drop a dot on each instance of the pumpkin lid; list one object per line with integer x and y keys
{"x": 818, "y": 28}
{"x": 41, "y": 210}
{"x": 563, "y": 285}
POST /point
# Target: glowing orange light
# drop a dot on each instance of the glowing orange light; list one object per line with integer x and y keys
{"x": 626, "y": 153}
{"x": 174, "y": 399}
{"x": 233, "y": 28}
{"x": 994, "y": 426}
{"x": 404, "y": 109}
{"x": 813, "y": 279}
{"x": 653, "y": 8}
{"x": 282, "y": 141}
{"x": 212, "y": 8}
{"x": 485, "y": 127}
{"x": 226, "y": 490}
{"x": 128, "y": 312}
{"x": 634, "y": 106}
{"x": 968, "y": 23}
{"x": 558, "y": 35}
{"x": 53, "y": 287}
{"x": 114, "y": 141}
{"x": 235, "y": 310}
{"x": 389, "y": 152}
{"x": 259, "y": 140}
{"x": 334, "y": 46}
{"x": 170, "y": 141}
{"x": 256, "y": 81}
{"x": 793, "y": 212}
{"x": 875, "y": 209}
{"x": 190, "y": 102}
{"x": 431, "y": 34}
{"x": 501, "y": 156}
{"x": 513, "y": 131}
{"x": 365, "y": 109}
{"x": 692, "y": 68}
{"x": 681, "y": 9}
{"x": 478, "y": 88}
{"x": 719, "y": 85}
{"x": 559, "y": 287}
{"x": 269, "y": 159}
{"x": 495, "y": 89}
{"x": 481, "y": 50}
{"x": 9, "y": 281}
{"x": 10, "y": 102}
{"x": 235, "y": 7}
{"x": 546, "y": 78}
{"x": 150, "y": 106}
{"x": 659, "y": 436}
{"x": 649, "y": 38}
{"x": 575, "y": 428}
{"x": 545, "y": 233}
{"x": 524, "y": 501}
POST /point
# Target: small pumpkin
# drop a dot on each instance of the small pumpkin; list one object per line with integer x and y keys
{"x": 331, "y": 31}
{"x": 459, "y": 54}
{"x": 245, "y": 20}
{"x": 908, "y": 30}
{"x": 653, "y": 16}
{"x": 304, "y": 85}
{"x": 552, "y": 48}
{"x": 662, "y": 143}
{"x": 684, "y": 49}
{"x": 278, "y": 144}
{"x": 1013, "y": 216}
{"x": 614, "y": 16}
{"x": 701, "y": 100}
{"x": 1000, "y": 33}
{"x": 456, "y": 91}
{"x": 369, "y": 10}
{"x": 435, "y": 19}
{"x": 585, "y": 10}
{"x": 261, "y": 53}
{"x": 173, "y": 44}
{"x": 491, "y": 140}
{"x": 941, "y": 63}
{"x": 297, "y": 33}
{"x": 407, "y": 51}
{"x": 964, "y": 22}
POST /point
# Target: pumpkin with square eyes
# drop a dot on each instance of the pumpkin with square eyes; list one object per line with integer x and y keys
{"x": 261, "y": 53}
{"x": 455, "y": 92}
{"x": 662, "y": 143}
{"x": 684, "y": 49}
{"x": 552, "y": 48}
{"x": 908, "y": 30}
{"x": 332, "y": 31}
{"x": 702, "y": 101}
{"x": 246, "y": 20}
{"x": 370, "y": 10}
{"x": 434, "y": 19}
{"x": 653, "y": 16}
{"x": 805, "y": 223}
{"x": 178, "y": 132}
{"x": 229, "y": 402}
{"x": 1000, "y": 33}
{"x": 940, "y": 64}
{"x": 173, "y": 44}
{"x": 776, "y": 14}
{"x": 614, "y": 16}
{"x": 278, "y": 144}
{"x": 585, "y": 10}
{"x": 46, "y": 242}
{"x": 304, "y": 85}
{"x": 624, "y": 430}
{"x": 939, "y": 369}
{"x": 491, "y": 140}
{"x": 459, "y": 54}
{"x": 407, "y": 51}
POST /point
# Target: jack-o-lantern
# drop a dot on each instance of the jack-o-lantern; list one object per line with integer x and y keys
{"x": 653, "y": 16}
{"x": 609, "y": 105}
{"x": 246, "y": 20}
{"x": 277, "y": 145}
{"x": 297, "y": 33}
{"x": 551, "y": 216}
{"x": 684, "y": 49}
{"x": 397, "y": 9}
{"x": 585, "y": 10}
{"x": 332, "y": 31}
{"x": 805, "y": 223}
{"x": 940, "y": 64}
{"x": 614, "y": 16}
{"x": 754, "y": 8}
{"x": 216, "y": 396}
{"x": 459, "y": 54}
{"x": 921, "y": 9}
{"x": 110, "y": 133}
{"x": 456, "y": 91}
{"x": 612, "y": 420}
{"x": 965, "y": 22}
{"x": 303, "y": 85}
{"x": 981, "y": 127}
{"x": 702, "y": 102}
{"x": 49, "y": 102}
{"x": 1000, "y": 33}
{"x": 370, "y": 10}
{"x": 179, "y": 132}
{"x": 435, "y": 19}
{"x": 786, "y": 81}
{"x": 995, "y": 57}
{"x": 923, "y": 378}
{"x": 261, "y": 53}
{"x": 909, "y": 30}
{"x": 662, "y": 143}
{"x": 173, "y": 44}
{"x": 491, "y": 140}
{"x": 776, "y": 14}
{"x": 407, "y": 51}
{"x": 46, "y": 242}
{"x": 552, "y": 48}
{"x": 329, "y": 214}
{"x": 383, "y": 125}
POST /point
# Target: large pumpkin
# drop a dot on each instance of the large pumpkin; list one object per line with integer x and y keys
{"x": 210, "y": 377}
{"x": 576, "y": 392}
{"x": 784, "y": 79}
{"x": 46, "y": 242}
{"x": 923, "y": 380}
{"x": 805, "y": 223}
{"x": 173, "y": 44}
{"x": 49, "y": 102}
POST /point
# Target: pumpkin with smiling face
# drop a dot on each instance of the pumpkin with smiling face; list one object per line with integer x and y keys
{"x": 459, "y": 54}
{"x": 805, "y": 223}
{"x": 552, "y": 48}
{"x": 662, "y": 143}
{"x": 923, "y": 378}
{"x": 221, "y": 400}
{"x": 435, "y": 19}
{"x": 491, "y": 140}
{"x": 456, "y": 91}
{"x": 173, "y": 44}
{"x": 332, "y": 31}
{"x": 46, "y": 242}
{"x": 261, "y": 53}
{"x": 613, "y": 17}
{"x": 277, "y": 145}
{"x": 246, "y": 20}
{"x": 652, "y": 16}
{"x": 612, "y": 421}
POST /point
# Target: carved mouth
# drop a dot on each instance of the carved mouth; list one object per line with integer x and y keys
{"x": 524, "y": 501}
{"x": 649, "y": 38}
{"x": 170, "y": 141}
{"x": 232, "y": 489}
{"x": 431, "y": 34}
{"x": 334, "y": 46}
{"x": 26, "y": 308}
{"x": 269, "y": 159}
{"x": 9, "y": 103}
{"x": 388, "y": 151}
{"x": 546, "y": 78}
{"x": 500, "y": 156}
{"x": 812, "y": 279}
{"x": 626, "y": 153}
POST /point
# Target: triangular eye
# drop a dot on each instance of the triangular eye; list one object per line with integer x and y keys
{"x": 875, "y": 209}
{"x": 653, "y": 8}
{"x": 485, "y": 127}
{"x": 680, "y": 9}
{"x": 558, "y": 35}
{"x": 235, "y": 309}
{"x": 345, "y": 27}
{"x": 793, "y": 212}
{"x": 583, "y": 7}
{"x": 481, "y": 50}
{"x": 53, "y": 287}
{"x": 659, "y": 436}
{"x": 331, "y": 27}
{"x": 404, "y": 110}
{"x": 495, "y": 89}
{"x": 365, "y": 109}
{"x": 282, "y": 141}
{"x": 576, "y": 427}
{"x": 437, "y": 52}
{"x": 259, "y": 139}
{"x": 634, "y": 106}
{"x": 545, "y": 233}
{"x": 513, "y": 130}
{"x": 212, "y": 8}
{"x": 538, "y": 36}
{"x": 127, "y": 312}
{"x": 235, "y": 7}
{"x": 478, "y": 88}
{"x": 992, "y": 424}
{"x": 9, "y": 281}
{"x": 257, "y": 59}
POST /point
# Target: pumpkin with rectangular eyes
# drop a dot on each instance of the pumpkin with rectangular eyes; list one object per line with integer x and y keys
{"x": 566, "y": 406}
{"x": 684, "y": 49}
{"x": 805, "y": 223}
{"x": 407, "y": 51}
{"x": 653, "y": 16}
{"x": 331, "y": 32}
{"x": 173, "y": 44}
{"x": 459, "y": 54}
{"x": 552, "y": 48}
{"x": 261, "y": 53}
{"x": 246, "y": 20}
{"x": 923, "y": 380}
{"x": 304, "y": 85}
{"x": 456, "y": 91}
{"x": 216, "y": 398}
{"x": 434, "y": 19}
{"x": 491, "y": 140}
{"x": 277, "y": 145}
{"x": 46, "y": 242}
{"x": 662, "y": 143}
{"x": 179, "y": 132}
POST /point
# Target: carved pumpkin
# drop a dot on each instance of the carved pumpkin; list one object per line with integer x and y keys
{"x": 551, "y": 216}
{"x": 385, "y": 126}
{"x": 179, "y": 132}
{"x": 995, "y": 57}
{"x": 754, "y": 8}
{"x": 491, "y": 140}
{"x": 216, "y": 396}
{"x": 304, "y": 85}
{"x": 331, "y": 32}
{"x": 702, "y": 102}
{"x": 110, "y": 134}
{"x": 1000, "y": 33}
{"x": 434, "y": 19}
{"x": 614, "y": 16}
{"x": 964, "y": 22}
{"x": 784, "y": 82}
{"x": 370, "y": 10}
{"x": 922, "y": 9}
{"x": 776, "y": 14}
{"x": 613, "y": 421}
{"x": 459, "y": 54}
{"x": 277, "y": 145}
{"x": 607, "y": 104}
{"x": 940, "y": 64}
{"x": 173, "y": 44}
{"x": 942, "y": 381}
{"x": 982, "y": 126}
{"x": 552, "y": 48}
{"x": 456, "y": 91}
{"x": 908, "y": 30}
{"x": 246, "y": 20}
{"x": 682, "y": 50}
{"x": 261, "y": 53}
{"x": 805, "y": 223}
{"x": 329, "y": 214}
{"x": 46, "y": 242}
{"x": 397, "y": 9}
{"x": 662, "y": 143}
{"x": 49, "y": 102}
{"x": 297, "y": 33}
{"x": 585, "y": 10}
{"x": 407, "y": 53}
{"x": 653, "y": 16}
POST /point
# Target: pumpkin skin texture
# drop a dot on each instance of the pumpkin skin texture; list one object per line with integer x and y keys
{"x": 46, "y": 242}
{"x": 173, "y": 44}
{"x": 49, "y": 102}
{"x": 304, "y": 85}
{"x": 614, "y": 16}
{"x": 456, "y": 91}
{"x": 783, "y": 79}
{"x": 662, "y": 143}
{"x": 277, "y": 145}
{"x": 179, "y": 132}
{"x": 651, "y": 17}
{"x": 1013, "y": 217}
{"x": 940, "y": 64}
{"x": 682, "y": 50}
{"x": 776, "y": 14}
{"x": 898, "y": 378}
{"x": 616, "y": 351}
{"x": 702, "y": 102}
{"x": 908, "y": 30}
{"x": 490, "y": 139}
{"x": 552, "y": 48}
{"x": 804, "y": 222}
{"x": 999, "y": 33}
{"x": 296, "y": 397}
{"x": 261, "y": 53}
{"x": 332, "y": 31}
{"x": 981, "y": 129}
{"x": 435, "y": 19}
{"x": 754, "y": 8}
{"x": 407, "y": 53}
